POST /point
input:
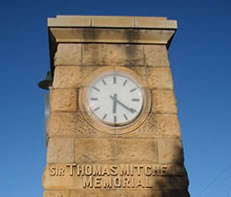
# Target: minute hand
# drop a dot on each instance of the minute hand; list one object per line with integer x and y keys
{"x": 123, "y": 105}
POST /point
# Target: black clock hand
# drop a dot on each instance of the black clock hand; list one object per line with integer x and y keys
{"x": 123, "y": 105}
{"x": 114, "y": 103}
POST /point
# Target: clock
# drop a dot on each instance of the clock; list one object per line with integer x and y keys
{"x": 115, "y": 98}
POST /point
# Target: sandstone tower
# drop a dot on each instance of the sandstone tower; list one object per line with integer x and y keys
{"x": 113, "y": 129}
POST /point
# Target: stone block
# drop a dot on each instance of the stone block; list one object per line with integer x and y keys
{"x": 63, "y": 100}
{"x": 70, "y": 125}
{"x": 157, "y": 125}
{"x": 156, "y": 55}
{"x": 112, "y": 55}
{"x": 71, "y": 76}
{"x": 159, "y": 78}
{"x": 129, "y": 193}
{"x": 170, "y": 151}
{"x": 75, "y": 76}
{"x": 74, "y": 125}
{"x": 56, "y": 193}
{"x": 112, "y": 21}
{"x": 163, "y": 101}
{"x": 68, "y": 55}
{"x": 115, "y": 150}
{"x": 112, "y": 35}
{"x": 157, "y": 22}
{"x": 60, "y": 150}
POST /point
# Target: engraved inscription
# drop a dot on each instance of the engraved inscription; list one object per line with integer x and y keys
{"x": 115, "y": 175}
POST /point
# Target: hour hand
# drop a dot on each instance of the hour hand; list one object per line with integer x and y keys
{"x": 114, "y": 103}
{"x": 122, "y": 104}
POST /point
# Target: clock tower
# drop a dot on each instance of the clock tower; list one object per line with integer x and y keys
{"x": 113, "y": 128}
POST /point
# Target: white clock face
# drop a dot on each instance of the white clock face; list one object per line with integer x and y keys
{"x": 115, "y": 99}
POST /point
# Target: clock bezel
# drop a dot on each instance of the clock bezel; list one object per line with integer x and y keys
{"x": 95, "y": 122}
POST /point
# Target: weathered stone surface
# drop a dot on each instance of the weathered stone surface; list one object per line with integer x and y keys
{"x": 70, "y": 125}
{"x": 163, "y": 101}
{"x": 84, "y": 158}
{"x": 170, "y": 151}
{"x": 74, "y": 125}
{"x": 71, "y": 76}
{"x": 159, "y": 78}
{"x": 112, "y": 21}
{"x": 56, "y": 193}
{"x": 63, "y": 100}
{"x": 157, "y": 22}
{"x": 156, "y": 55}
{"x": 60, "y": 150}
{"x": 74, "y": 76}
{"x": 157, "y": 125}
{"x": 113, "y": 55}
{"x": 129, "y": 193}
{"x": 68, "y": 55}
{"x": 115, "y": 150}
{"x": 115, "y": 35}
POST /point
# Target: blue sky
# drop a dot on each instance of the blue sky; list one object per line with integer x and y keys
{"x": 200, "y": 61}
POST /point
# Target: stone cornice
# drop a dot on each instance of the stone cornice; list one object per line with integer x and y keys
{"x": 109, "y": 29}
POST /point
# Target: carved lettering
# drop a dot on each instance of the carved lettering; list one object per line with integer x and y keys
{"x": 87, "y": 182}
{"x": 71, "y": 166}
{"x": 52, "y": 171}
{"x": 114, "y": 170}
{"x": 115, "y": 175}
{"x": 107, "y": 182}
{"x": 117, "y": 182}
{"x": 148, "y": 170}
{"x": 56, "y": 171}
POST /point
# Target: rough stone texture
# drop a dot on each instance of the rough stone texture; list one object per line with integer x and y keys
{"x": 70, "y": 125}
{"x": 74, "y": 76}
{"x": 115, "y": 150}
{"x": 60, "y": 150}
{"x": 107, "y": 35}
{"x": 163, "y": 101}
{"x": 112, "y": 21}
{"x": 113, "y": 55}
{"x": 63, "y": 100}
{"x": 156, "y": 55}
{"x": 170, "y": 151}
{"x": 158, "y": 125}
{"x": 71, "y": 76}
{"x": 68, "y": 55}
{"x": 73, "y": 125}
{"x": 129, "y": 193}
{"x": 159, "y": 78}
{"x": 56, "y": 193}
